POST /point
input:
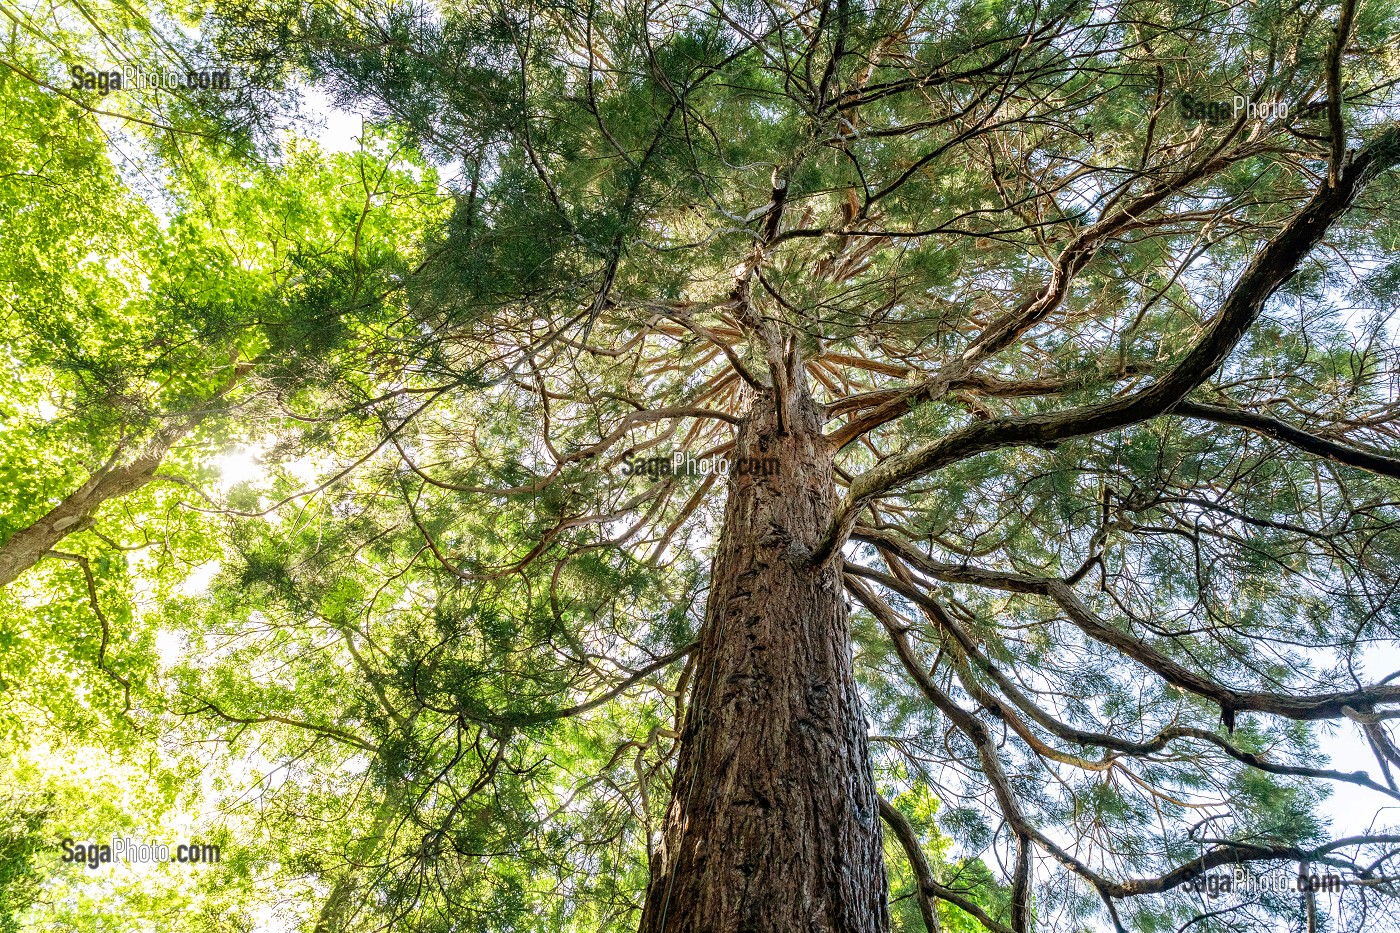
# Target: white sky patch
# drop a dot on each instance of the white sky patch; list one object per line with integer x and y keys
{"x": 241, "y": 465}
{"x": 169, "y": 646}
{"x": 197, "y": 583}
{"x": 266, "y": 919}
{"x": 1355, "y": 810}
{"x": 310, "y": 469}
{"x": 334, "y": 129}
{"x": 246, "y": 464}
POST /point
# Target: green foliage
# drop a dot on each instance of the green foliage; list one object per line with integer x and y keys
{"x": 385, "y": 671}
{"x": 21, "y": 840}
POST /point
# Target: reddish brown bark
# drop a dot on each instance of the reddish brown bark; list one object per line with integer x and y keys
{"x": 774, "y": 824}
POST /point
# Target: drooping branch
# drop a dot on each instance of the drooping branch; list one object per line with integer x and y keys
{"x": 96, "y": 605}
{"x": 1231, "y": 700}
{"x": 1227, "y": 851}
{"x": 532, "y": 719}
{"x": 959, "y": 639}
{"x": 966, "y": 722}
{"x": 332, "y": 732}
{"x": 1345, "y": 454}
{"x": 928, "y": 887}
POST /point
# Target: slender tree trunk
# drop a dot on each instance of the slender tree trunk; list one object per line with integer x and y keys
{"x": 75, "y": 513}
{"x": 348, "y": 893}
{"x": 78, "y": 511}
{"x": 774, "y": 824}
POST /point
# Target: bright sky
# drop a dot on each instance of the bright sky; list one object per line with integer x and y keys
{"x": 1354, "y": 809}
{"x": 335, "y": 129}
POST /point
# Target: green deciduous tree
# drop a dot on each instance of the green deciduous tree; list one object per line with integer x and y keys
{"x": 160, "y": 293}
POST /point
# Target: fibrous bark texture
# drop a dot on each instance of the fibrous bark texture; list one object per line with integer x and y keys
{"x": 774, "y": 824}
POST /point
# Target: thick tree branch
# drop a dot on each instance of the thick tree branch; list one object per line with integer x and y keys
{"x": 1270, "y": 269}
{"x": 1336, "y": 130}
{"x": 1357, "y": 457}
{"x": 78, "y": 510}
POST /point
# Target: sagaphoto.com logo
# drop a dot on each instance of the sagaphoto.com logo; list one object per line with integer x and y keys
{"x": 135, "y": 78}
{"x": 1193, "y": 108}
{"x": 681, "y": 463}
{"x": 1247, "y": 884}
{"x": 94, "y": 855}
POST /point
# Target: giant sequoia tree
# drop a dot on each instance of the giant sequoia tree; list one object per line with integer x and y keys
{"x": 1047, "y": 348}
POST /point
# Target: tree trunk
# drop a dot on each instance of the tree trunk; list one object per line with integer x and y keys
{"x": 773, "y": 825}
{"x": 78, "y": 511}
{"x": 348, "y": 892}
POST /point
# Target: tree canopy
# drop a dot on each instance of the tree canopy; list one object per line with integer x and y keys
{"x": 1033, "y": 366}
